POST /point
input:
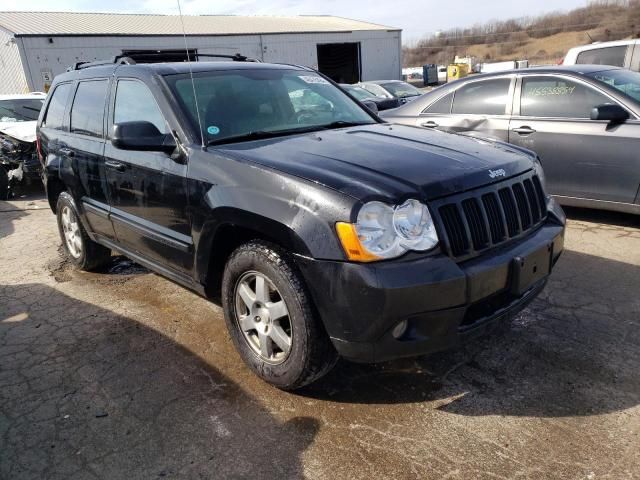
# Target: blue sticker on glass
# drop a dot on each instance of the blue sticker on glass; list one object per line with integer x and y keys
{"x": 213, "y": 130}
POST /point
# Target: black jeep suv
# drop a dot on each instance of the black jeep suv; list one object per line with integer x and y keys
{"x": 323, "y": 231}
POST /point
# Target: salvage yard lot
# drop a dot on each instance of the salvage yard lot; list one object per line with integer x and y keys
{"x": 122, "y": 374}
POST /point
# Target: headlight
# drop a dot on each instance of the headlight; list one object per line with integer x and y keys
{"x": 383, "y": 231}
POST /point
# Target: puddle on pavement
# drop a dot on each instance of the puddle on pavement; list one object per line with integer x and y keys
{"x": 118, "y": 270}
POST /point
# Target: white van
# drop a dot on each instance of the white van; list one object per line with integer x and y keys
{"x": 622, "y": 53}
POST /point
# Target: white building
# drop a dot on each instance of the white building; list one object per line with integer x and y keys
{"x": 36, "y": 46}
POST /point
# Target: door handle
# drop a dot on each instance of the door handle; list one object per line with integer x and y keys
{"x": 524, "y": 130}
{"x": 115, "y": 165}
{"x": 429, "y": 124}
{"x": 67, "y": 152}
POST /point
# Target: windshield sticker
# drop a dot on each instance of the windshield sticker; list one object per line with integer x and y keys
{"x": 546, "y": 91}
{"x": 313, "y": 79}
{"x": 213, "y": 130}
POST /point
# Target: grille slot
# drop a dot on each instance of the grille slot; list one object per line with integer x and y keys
{"x": 475, "y": 220}
{"x": 452, "y": 221}
{"x": 533, "y": 201}
{"x": 492, "y": 215}
{"x": 542, "y": 203}
{"x": 523, "y": 206}
{"x": 510, "y": 211}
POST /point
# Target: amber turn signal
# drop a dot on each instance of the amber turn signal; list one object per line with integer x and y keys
{"x": 351, "y": 244}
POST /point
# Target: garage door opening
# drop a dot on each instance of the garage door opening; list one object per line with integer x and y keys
{"x": 340, "y": 61}
{"x": 156, "y": 56}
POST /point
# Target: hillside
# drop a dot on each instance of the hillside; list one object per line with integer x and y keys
{"x": 541, "y": 40}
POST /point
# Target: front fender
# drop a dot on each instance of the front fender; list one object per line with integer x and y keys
{"x": 298, "y": 214}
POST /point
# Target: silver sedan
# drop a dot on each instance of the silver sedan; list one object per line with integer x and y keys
{"x": 583, "y": 121}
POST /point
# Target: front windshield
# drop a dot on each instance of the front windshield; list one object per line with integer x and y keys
{"x": 243, "y": 102}
{"x": 20, "y": 110}
{"x": 402, "y": 90}
{"x": 625, "y": 81}
{"x": 359, "y": 93}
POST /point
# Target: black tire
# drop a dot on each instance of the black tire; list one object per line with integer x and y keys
{"x": 311, "y": 353}
{"x": 91, "y": 254}
{"x": 4, "y": 184}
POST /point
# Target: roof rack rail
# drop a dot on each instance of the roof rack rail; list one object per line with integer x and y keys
{"x": 236, "y": 57}
{"x": 117, "y": 60}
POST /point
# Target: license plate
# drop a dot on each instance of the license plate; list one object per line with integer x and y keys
{"x": 529, "y": 269}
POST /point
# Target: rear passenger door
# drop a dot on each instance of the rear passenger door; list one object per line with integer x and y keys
{"x": 148, "y": 190}
{"x": 479, "y": 106}
{"x": 83, "y": 148}
{"x": 581, "y": 157}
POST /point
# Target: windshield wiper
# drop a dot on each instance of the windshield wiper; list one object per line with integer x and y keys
{"x": 259, "y": 135}
{"x": 262, "y": 134}
{"x": 341, "y": 124}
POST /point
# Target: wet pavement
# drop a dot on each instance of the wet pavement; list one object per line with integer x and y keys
{"x": 123, "y": 374}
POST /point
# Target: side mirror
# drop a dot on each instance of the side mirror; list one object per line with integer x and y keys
{"x": 610, "y": 112}
{"x": 141, "y": 136}
{"x": 371, "y": 105}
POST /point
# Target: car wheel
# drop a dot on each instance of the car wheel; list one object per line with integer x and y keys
{"x": 270, "y": 317}
{"x": 83, "y": 252}
{"x": 4, "y": 184}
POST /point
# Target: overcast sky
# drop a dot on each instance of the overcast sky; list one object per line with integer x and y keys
{"x": 415, "y": 17}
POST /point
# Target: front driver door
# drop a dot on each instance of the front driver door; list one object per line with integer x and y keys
{"x": 582, "y": 158}
{"x": 148, "y": 190}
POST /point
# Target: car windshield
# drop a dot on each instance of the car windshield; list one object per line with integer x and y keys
{"x": 247, "y": 104}
{"x": 20, "y": 110}
{"x": 402, "y": 90}
{"x": 359, "y": 93}
{"x": 625, "y": 81}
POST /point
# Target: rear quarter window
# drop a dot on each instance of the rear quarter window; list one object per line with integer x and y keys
{"x": 440, "y": 106}
{"x": 603, "y": 56}
{"x": 54, "y": 116}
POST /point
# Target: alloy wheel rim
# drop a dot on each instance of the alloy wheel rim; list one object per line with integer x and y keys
{"x": 71, "y": 230}
{"x": 263, "y": 317}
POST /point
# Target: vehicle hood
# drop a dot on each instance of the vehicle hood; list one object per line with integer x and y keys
{"x": 386, "y": 161}
{"x": 23, "y": 131}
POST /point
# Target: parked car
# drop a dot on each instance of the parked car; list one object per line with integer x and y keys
{"x": 324, "y": 231}
{"x": 359, "y": 93}
{"x": 18, "y": 160}
{"x": 622, "y": 53}
{"x": 403, "y": 91}
{"x": 583, "y": 121}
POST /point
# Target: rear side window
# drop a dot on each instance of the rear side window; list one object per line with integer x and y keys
{"x": 559, "y": 98}
{"x": 442, "y": 106}
{"x": 604, "y": 56}
{"x": 487, "y": 97}
{"x": 87, "y": 111}
{"x": 55, "y": 111}
{"x": 135, "y": 103}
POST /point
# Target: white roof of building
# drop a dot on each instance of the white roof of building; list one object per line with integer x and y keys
{"x": 68, "y": 23}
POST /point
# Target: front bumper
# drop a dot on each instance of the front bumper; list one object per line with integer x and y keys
{"x": 444, "y": 302}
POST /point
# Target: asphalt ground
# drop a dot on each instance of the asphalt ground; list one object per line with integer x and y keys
{"x": 123, "y": 374}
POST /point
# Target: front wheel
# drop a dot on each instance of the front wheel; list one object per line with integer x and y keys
{"x": 271, "y": 320}
{"x": 83, "y": 252}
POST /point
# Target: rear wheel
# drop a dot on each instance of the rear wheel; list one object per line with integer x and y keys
{"x": 83, "y": 252}
{"x": 270, "y": 317}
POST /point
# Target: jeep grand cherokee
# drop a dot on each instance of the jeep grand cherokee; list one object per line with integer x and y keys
{"x": 324, "y": 231}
